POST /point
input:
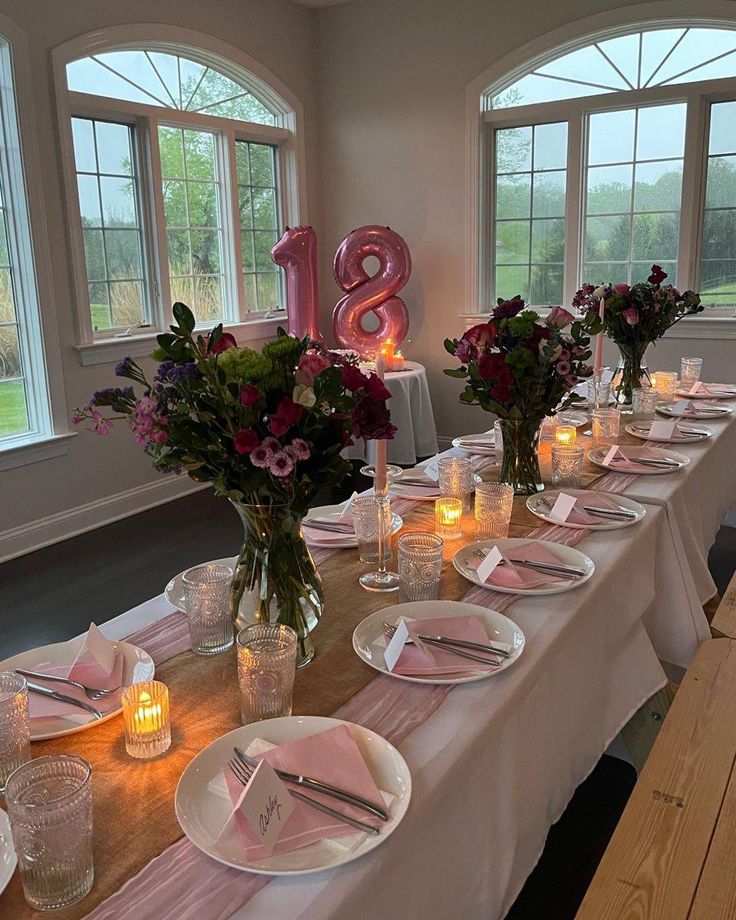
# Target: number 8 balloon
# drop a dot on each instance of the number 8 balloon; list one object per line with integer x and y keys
{"x": 366, "y": 293}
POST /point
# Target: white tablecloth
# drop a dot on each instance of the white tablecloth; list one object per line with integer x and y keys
{"x": 411, "y": 412}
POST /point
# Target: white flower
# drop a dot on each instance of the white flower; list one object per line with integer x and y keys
{"x": 304, "y": 396}
{"x": 599, "y": 291}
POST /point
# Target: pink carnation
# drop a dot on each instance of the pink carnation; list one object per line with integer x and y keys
{"x": 261, "y": 456}
{"x": 280, "y": 464}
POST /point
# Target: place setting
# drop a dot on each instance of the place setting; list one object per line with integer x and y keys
{"x": 669, "y": 431}
{"x": 645, "y": 460}
{"x": 345, "y": 525}
{"x": 684, "y": 408}
{"x": 585, "y": 509}
{"x": 700, "y": 390}
{"x": 483, "y": 445}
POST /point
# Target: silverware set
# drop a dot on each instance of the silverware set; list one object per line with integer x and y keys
{"x": 644, "y": 429}
{"x": 618, "y": 513}
{"x": 548, "y": 568}
{"x": 329, "y": 526}
{"x": 667, "y": 462}
{"x": 62, "y": 698}
{"x": 93, "y": 693}
{"x": 473, "y": 651}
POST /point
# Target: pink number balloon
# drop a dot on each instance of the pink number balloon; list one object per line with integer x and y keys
{"x": 371, "y": 293}
{"x": 296, "y": 253}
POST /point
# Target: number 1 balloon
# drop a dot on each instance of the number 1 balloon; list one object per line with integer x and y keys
{"x": 296, "y": 253}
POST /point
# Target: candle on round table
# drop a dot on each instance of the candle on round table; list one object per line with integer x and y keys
{"x": 448, "y": 513}
{"x": 565, "y": 434}
{"x": 146, "y": 717}
{"x": 387, "y": 352}
{"x": 397, "y": 362}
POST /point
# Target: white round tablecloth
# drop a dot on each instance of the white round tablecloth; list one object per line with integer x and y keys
{"x": 411, "y": 412}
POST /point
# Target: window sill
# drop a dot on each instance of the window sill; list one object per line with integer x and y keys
{"x": 693, "y": 327}
{"x": 112, "y": 350}
{"x": 45, "y": 448}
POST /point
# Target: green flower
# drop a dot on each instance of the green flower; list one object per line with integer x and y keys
{"x": 243, "y": 365}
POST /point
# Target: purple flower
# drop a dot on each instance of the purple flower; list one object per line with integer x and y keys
{"x": 281, "y": 464}
{"x": 298, "y": 449}
{"x": 124, "y": 367}
{"x": 148, "y": 424}
{"x": 261, "y": 456}
{"x": 168, "y": 372}
{"x": 563, "y": 368}
{"x": 111, "y": 396}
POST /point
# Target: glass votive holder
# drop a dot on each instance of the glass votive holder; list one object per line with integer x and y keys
{"x": 365, "y": 523}
{"x": 420, "y": 566}
{"x": 643, "y": 403}
{"x": 207, "y": 604}
{"x": 146, "y": 717}
{"x": 266, "y": 671}
{"x": 599, "y": 393}
{"x": 456, "y": 479}
{"x": 665, "y": 384}
{"x": 448, "y": 516}
{"x": 494, "y": 502}
{"x": 690, "y": 370}
{"x": 49, "y": 803}
{"x": 565, "y": 434}
{"x": 15, "y": 726}
{"x": 567, "y": 465}
{"x": 605, "y": 425}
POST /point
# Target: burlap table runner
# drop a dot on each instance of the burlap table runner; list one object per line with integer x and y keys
{"x": 134, "y": 817}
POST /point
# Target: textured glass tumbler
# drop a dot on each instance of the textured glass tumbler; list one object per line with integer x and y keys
{"x": 266, "y": 669}
{"x": 690, "y": 369}
{"x": 49, "y": 802}
{"x": 420, "y": 566}
{"x": 599, "y": 393}
{"x": 643, "y": 403}
{"x": 494, "y": 502}
{"x": 605, "y": 425}
{"x": 456, "y": 479}
{"x": 365, "y": 523}
{"x": 15, "y": 726}
{"x": 146, "y": 717}
{"x": 666, "y": 384}
{"x": 207, "y": 602}
{"x": 567, "y": 465}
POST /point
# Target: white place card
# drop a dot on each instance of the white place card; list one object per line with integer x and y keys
{"x": 562, "y": 507}
{"x": 431, "y": 468}
{"x": 266, "y": 804}
{"x": 98, "y": 647}
{"x": 612, "y": 453}
{"x": 492, "y": 558}
{"x": 695, "y": 388}
{"x": 662, "y": 429}
{"x": 346, "y": 515}
{"x": 680, "y": 407}
{"x": 396, "y": 645}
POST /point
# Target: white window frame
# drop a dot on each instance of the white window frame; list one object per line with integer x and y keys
{"x": 287, "y": 135}
{"x": 48, "y": 435}
{"x": 482, "y": 121}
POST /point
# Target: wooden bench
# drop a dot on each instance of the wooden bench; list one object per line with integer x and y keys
{"x": 723, "y": 623}
{"x": 673, "y": 854}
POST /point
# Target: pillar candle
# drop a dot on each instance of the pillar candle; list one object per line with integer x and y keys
{"x": 598, "y": 359}
{"x": 381, "y": 444}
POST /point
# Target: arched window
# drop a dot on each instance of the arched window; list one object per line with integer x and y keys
{"x": 182, "y": 165}
{"x": 609, "y": 155}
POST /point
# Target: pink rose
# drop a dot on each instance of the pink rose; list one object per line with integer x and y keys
{"x": 631, "y": 315}
{"x": 310, "y": 365}
{"x": 560, "y": 317}
{"x": 622, "y": 288}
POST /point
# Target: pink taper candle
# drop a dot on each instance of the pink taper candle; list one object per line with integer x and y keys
{"x": 381, "y": 444}
{"x": 598, "y": 359}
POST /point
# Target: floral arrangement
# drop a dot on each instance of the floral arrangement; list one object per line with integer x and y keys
{"x": 264, "y": 425}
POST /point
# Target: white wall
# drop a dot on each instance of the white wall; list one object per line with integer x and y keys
{"x": 393, "y": 81}
{"x": 74, "y": 491}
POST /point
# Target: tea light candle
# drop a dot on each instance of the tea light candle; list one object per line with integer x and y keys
{"x": 565, "y": 434}
{"x": 397, "y": 362}
{"x": 448, "y": 513}
{"x": 387, "y": 352}
{"x": 665, "y": 384}
{"x": 146, "y": 716}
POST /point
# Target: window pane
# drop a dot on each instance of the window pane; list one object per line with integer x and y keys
{"x": 550, "y": 146}
{"x": 605, "y": 272}
{"x": 513, "y": 150}
{"x": 549, "y": 194}
{"x": 262, "y": 165}
{"x": 268, "y": 293}
{"x": 208, "y": 300}
{"x": 206, "y": 252}
{"x": 264, "y": 208}
{"x": 10, "y": 364}
{"x": 640, "y": 271}
{"x": 512, "y": 280}
{"x": 718, "y": 253}
{"x": 611, "y": 137}
{"x": 251, "y": 301}
{"x": 718, "y": 282}
{"x": 109, "y": 198}
{"x": 548, "y": 240}
{"x": 264, "y": 242}
{"x": 607, "y": 239}
{"x": 661, "y": 132}
{"x": 609, "y": 189}
{"x": 719, "y": 234}
{"x": 655, "y": 237}
{"x": 199, "y": 153}
{"x": 658, "y": 185}
{"x": 723, "y": 128}
{"x": 171, "y": 151}
{"x": 7, "y": 299}
{"x": 721, "y": 184}
{"x": 546, "y": 287}
{"x": 202, "y": 200}
{"x": 180, "y": 261}
{"x": 175, "y": 203}
{"x": 84, "y": 145}
{"x": 13, "y": 408}
{"x": 514, "y": 195}
{"x": 512, "y": 241}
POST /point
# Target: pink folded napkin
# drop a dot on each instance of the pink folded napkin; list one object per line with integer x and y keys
{"x": 579, "y": 515}
{"x": 625, "y": 458}
{"x": 508, "y": 576}
{"x": 423, "y": 660}
{"x": 331, "y": 756}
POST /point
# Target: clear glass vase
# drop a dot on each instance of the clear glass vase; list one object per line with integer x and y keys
{"x": 520, "y": 464}
{"x": 276, "y": 580}
{"x": 631, "y": 372}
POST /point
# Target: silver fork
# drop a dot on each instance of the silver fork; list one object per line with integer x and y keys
{"x": 242, "y": 772}
{"x": 93, "y": 693}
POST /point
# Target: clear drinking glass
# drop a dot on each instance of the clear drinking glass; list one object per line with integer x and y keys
{"x": 690, "y": 369}
{"x": 666, "y": 384}
{"x": 494, "y": 502}
{"x": 643, "y": 403}
{"x": 15, "y": 726}
{"x": 420, "y": 566}
{"x": 567, "y": 465}
{"x": 605, "y": 424}
{"x": 207, "y": 602}
{"x": 266, "y": 669}
{"x": 456, "y": 479}
{"x": 49, "y": 802}
{"x": 365, "y": 523}
{"x": 599, "y": 393}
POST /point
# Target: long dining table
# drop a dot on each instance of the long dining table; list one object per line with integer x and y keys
{"x": 493, "y": 763}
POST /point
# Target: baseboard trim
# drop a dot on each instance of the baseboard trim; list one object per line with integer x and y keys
{"x": 70, "y": 523}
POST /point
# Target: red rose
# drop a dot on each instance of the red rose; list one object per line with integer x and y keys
{"x": 287, "y": 414}
{"x": 245, "y": 441}
{"x": 225, "y": 341}
{"x": 352, "y": 377}
{"x": 658, "y": 275}
{"x": 508, "y": 307}
{"x": 371, "y": 419}
{"x": 377, "y": 388}
{"x": 250, "y": 395}
{"x": 493, "y": 367}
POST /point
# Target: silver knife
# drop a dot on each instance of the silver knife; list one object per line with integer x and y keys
{"x": 62, "y": 698}
{"x": 308, "y": 783}
{"x": 609, "y": 512}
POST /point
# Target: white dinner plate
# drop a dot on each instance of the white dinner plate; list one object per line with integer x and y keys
{"x": 537, "y": 505}
{"x": 565, "y": 554}
{"x": 498, "y": 627}
{"x": 202, "y": 813}
{"x": 137, "y": 666}
{"x": 482, "y": 445}
{"x": 174, "y": 590}
{"x": 640, "y": 430}
{"x": 8, "y": 859}
{"x": 701, "y": 411}
{"x": 346, "y": 541}
{"x": 728, "y": 392}
{"x": 572, "y": 417}
{"x": 596, "y": 455}
{"x": 414, "y": 492}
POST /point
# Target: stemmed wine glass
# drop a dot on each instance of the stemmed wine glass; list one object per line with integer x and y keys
{"x": 382, "y": 579}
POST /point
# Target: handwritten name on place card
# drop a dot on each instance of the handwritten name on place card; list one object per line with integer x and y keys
{"x": 266, "y": 804}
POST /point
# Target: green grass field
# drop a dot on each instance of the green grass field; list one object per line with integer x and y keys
{"x": 13, "y": 416}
